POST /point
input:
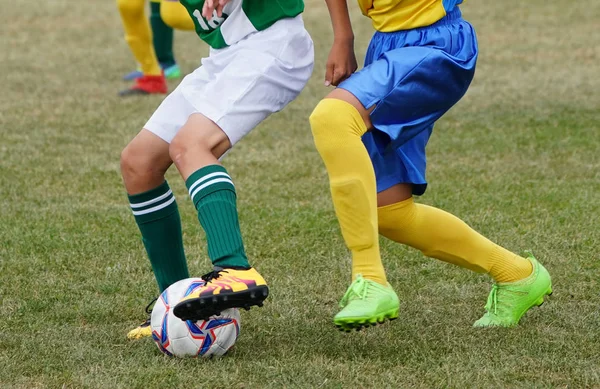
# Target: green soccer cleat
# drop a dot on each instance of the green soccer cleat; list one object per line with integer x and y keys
{"x": 508, "y": 302}
{"x": 366, "y": 303}
{"x": 171, "y": 72}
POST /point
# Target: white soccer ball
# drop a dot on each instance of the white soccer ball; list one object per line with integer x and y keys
{"x": 205, "y": 338}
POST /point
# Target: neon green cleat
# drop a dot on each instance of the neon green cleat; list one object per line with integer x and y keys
{"x": 508, "y": 302}
{"x": 366, "y": 303}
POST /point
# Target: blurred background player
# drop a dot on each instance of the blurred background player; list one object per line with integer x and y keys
{"x": 261, "y": 57}
{"x": 152, "y": 42}
{"x": 371, "y": 133}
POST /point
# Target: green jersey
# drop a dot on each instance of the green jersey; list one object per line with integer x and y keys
{"x": 240, "y": 18}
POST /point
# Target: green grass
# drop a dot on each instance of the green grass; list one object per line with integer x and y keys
{"x": 517, "y": 159}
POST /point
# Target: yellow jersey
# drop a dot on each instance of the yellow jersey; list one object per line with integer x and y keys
{"x": 395, "y": 15}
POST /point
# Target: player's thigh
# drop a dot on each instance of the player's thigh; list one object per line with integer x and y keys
{"x": 399, "y": 170}
{"x": 199, "y": 135}
{"x": 255, "y": 77}
{"x": 408, "y": 89}
{"x": 235, "y": 89}
{"x": 149, "y": 150}
{"x": 394, "y": 194}
{"x": 174, "y": 111}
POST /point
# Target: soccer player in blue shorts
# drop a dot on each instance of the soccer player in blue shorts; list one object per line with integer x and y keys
{"x": 371, "y": 133}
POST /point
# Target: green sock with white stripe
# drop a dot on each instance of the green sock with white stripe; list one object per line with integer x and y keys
{"x": 213, "y": 194}
{"x": 157, "y": 216}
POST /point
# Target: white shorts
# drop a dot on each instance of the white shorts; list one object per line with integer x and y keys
{"x": 241, "y": 85}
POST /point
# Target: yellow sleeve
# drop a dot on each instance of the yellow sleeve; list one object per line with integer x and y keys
{"x": 365, "y": 6}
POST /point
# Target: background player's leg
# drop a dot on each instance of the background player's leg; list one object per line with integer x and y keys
{"x": 138, "y": 37}
{"x": 338, "y": 123}
{"x": 162, "y": 38}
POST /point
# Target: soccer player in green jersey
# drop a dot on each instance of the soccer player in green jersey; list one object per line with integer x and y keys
{"x": 261, "y": 57}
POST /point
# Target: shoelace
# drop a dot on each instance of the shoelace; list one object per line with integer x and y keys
{"x": 150, "y": 306}
{"x": 148, "y": 310}
{"x": 358, "y": 288}
{"x": 213, "y": 275}
{"x": 492, "y": 302}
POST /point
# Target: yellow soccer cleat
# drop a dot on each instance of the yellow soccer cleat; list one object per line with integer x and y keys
{"x": 144, "y": 330}
{"x": 224, "y": 289}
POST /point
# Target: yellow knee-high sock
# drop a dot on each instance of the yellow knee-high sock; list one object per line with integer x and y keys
{"x": 441, "y": 235}
{"x": 175, "y": 15}
{"x": 337, "y": 129}
{"x": 138, "y": 35}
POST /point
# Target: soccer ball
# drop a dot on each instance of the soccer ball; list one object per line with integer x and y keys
{"x": 179, "y": 338}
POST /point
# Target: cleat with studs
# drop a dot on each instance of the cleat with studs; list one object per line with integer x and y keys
{"x": 366, "y": 304}
{"x": 224, "y": 289}
{"x": 509, "y": 301}
{"x": 146, "y": 85}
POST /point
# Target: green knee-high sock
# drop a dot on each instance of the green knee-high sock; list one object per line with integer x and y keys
{"x": 213, "y": 194}
{"x": 162, "y": 37}
{"x": 157, "y": 216}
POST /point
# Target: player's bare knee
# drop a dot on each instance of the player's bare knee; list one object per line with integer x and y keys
{"x": 195, "y": 142}
{"x": 134, "y": 166}
{"x": 181, "y": 146}
{"x": 126, "y": 162}
{"x": 177, "y": 150}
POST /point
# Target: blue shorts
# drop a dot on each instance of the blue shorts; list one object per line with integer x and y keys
{"x": 412, "y": 77}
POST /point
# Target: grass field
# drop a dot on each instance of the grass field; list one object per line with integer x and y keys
{"x": 517, "y": 158}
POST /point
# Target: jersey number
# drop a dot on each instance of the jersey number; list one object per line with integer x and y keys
{"x": 209, "y": 25}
